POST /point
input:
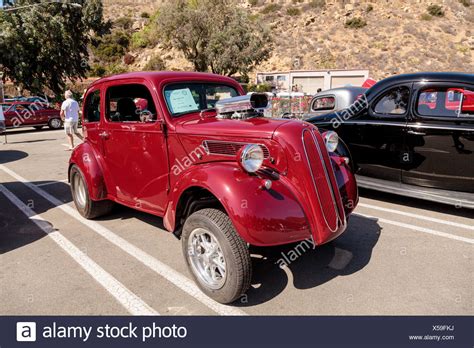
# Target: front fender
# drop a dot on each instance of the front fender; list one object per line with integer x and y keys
{"x": 85, "y": 157}
{"x": 261, "y": 217}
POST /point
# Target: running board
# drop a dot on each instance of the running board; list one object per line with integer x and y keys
{"x": 455, "y": 198}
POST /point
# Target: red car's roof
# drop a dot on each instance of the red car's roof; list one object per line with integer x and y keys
{"x": 156, "y": 76}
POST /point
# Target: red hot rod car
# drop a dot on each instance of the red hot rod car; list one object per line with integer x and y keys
{"x": 193, "y": 149}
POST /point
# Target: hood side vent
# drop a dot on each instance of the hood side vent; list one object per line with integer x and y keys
{"x": 224, "y": 148}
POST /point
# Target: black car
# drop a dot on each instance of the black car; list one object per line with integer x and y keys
{"x": 412, "y": 135}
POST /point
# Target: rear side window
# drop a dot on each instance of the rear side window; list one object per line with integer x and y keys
{"x": 323, "y": 103}
{"x": 130, "y": 103}
{"x": 92, "y": 109}
{"x": 185, "y": 98}
{"x": 393, "y": 102}
{"x": 446, "y": 102}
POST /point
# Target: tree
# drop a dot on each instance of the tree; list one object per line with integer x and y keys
{"x": 43, "y": 46}
{"x": 214, "y": 35}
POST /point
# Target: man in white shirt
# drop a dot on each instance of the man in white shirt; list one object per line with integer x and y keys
{"x": 70, "y": 116}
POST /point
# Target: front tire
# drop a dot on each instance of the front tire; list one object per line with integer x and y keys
{"x": 80, "y": 193}
{"x": 55, "y": 123}
{"x": 216, "y": 256}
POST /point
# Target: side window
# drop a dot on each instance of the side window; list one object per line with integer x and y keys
{"x": 323, "y": 103}
{"x": 393, "y": 102}
{"x": 130, "y": 103}
{"x": 92, "y": 109}
{"x": 446, "y": 102}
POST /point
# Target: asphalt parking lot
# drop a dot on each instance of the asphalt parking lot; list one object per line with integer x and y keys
{"x": 399, "y": 256}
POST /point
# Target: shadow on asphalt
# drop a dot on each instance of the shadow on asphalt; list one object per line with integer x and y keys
{"x": 310, "y": 267}
{"x": 7, "y": 156}
{"x": 30, "y": 141}
{"x": 416, "y": 203}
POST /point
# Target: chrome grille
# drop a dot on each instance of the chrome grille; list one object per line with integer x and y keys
{"x": 323, "y": 178}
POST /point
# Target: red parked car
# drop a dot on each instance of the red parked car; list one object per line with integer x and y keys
{"x": 200, "y": 154}
{"x": 27, "y": 114}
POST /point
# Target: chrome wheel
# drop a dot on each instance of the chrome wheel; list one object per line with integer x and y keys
{"x": 55, "y": 123}
{"x": 80, "y": 194}
{"x": 206, "y": 258}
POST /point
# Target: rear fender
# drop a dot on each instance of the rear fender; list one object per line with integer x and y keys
{"x": 88, "y": 161}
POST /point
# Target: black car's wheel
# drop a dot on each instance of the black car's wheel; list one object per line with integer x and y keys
{"x": 80, "y": 193}
{"x": 55, "y": 123}
{"x": 217, "y": 257}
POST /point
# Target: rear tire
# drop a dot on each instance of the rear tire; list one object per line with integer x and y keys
{"x": 216, "y": 255}
{"x": 55, "y": 123}
{"x": 80, "y": 193}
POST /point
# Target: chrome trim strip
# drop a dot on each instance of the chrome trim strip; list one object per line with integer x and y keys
{"x": 402, "y": 124}
{"x": 418, "y": 126}
{"x": 328, "y": 182}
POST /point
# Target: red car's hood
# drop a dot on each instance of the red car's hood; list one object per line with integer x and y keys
{"x": 259, "y": 127}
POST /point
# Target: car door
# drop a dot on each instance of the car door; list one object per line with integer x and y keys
{"x": 134, "y": 146}
{"x": 440, "y": 136}
{"x": 376, "y": 136}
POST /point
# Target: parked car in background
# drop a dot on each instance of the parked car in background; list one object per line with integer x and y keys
{"x": 412, "y": 135}
{"x": 2, "y": 121}
{"x": 333, "y": 100}
{"x": 25, "y": 114}
{"x": 193, "y": 149}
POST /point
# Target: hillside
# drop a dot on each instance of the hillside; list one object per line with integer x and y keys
{"x": 399, "y": 36}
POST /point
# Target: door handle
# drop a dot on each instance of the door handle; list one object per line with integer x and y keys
{"x": 415, "y": 133}
{"x": 104, "y": 135}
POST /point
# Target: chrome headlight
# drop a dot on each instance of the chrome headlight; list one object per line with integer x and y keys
{"x": 251, "y": 158}
{"x": 331, "y": 139}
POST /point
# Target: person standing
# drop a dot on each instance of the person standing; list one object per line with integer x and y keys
{"x": 70, "y": 117}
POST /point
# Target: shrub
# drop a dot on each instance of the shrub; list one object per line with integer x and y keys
{"x": 260, "y": 88}
{"x": 369, "y": 8}
{"x": 125, "y": 23}
{"x": 139, "y": 40}
{"x": 116, "y": 68}
{"x": 109, "y": 51}
{"x": 97, "y": 70}
{"x": 297, "y": 1}
{"x": 292, "y": 11}
{"x": 426, "y": 17}
{"x": 270, "y": 8}
{"x": 253, "y": 2}
{"x": 355, "y": 23}
{"x": 317, "y": 3}
{"x": 435, "y": 10}
{"x": 465, "y": 3}
{"x": 145, "y": 15}
{"x": 155, "y": 64}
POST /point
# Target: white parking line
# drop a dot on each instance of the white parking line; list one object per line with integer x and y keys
{"x": 157, "y": 266}
{"x": 418, "y": 229}
{"x": 131, "y": 302}
{"x": 416, "y": 216}
{"x": 51, "y": 183}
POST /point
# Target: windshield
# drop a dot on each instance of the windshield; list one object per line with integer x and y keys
{"x": 185, "y": 98}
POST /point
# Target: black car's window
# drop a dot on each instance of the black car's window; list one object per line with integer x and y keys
{"x": 92, "y": 109}
{"x": 446, "y": 102}
{"x": 130, "y": 103}
{"x": 393, "y": 102}
{"x": 323, "y": 103}
{"x": 185, "y": 98}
